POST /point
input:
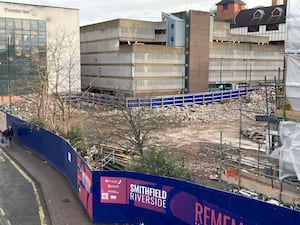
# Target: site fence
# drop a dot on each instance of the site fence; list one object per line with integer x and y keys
{"x": 189, "y": 99}
{"x": 107, "y": 101}
{"x": 136, "y": 198}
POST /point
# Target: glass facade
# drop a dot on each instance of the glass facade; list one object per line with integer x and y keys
{"x": 22, "y": 54}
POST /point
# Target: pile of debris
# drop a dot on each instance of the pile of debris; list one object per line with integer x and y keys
{"x": 254, "y": 134}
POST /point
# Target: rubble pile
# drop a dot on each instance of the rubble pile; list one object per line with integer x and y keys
{"x": 255, "y": 135}
{"x": 251, "y": 105}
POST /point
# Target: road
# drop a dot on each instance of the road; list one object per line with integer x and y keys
{"x": 19, "y": 197}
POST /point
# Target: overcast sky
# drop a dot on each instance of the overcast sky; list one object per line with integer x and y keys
{"x": 94, "y": 11}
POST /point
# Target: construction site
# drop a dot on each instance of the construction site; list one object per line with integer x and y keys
{"x": 246, "y": 144}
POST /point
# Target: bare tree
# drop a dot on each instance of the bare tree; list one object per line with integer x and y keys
{"x": 130, "y": 128}
{"x": 44, "y": 81}
{"x": 33, "y": 87}
{"x": 63, "y": 64}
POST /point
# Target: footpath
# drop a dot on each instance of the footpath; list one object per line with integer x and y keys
{"x": 61, "y": 202}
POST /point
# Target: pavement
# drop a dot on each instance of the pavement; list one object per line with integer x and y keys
{"x": 59, "y": 203}
{"x": 17, "y": 192}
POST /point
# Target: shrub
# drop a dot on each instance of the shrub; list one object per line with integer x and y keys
{"x": 74, "y": 136}
{"x": 38, "y": 121}
{"x": 160, "y": 162}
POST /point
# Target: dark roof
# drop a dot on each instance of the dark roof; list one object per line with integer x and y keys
{"x": 223, "y": 2}
{"x": 245, "y": 17}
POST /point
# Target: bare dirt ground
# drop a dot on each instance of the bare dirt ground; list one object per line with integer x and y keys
{"x": 196, "y": 133}
{"x": 194, "y": 139}
{"x": 196, "y": 128}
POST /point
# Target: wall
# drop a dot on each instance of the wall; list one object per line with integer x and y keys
{"x": 198, "y": 51}
{"x": 276, "y": 35}
{"x": 230, "y": 12}
{"x": 244, "y": 62}
{"x": 175, "y": 30}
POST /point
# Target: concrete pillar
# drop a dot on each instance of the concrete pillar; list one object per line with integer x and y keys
{"x": 275, "y": 2}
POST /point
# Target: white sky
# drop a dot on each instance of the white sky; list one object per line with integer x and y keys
{"x": 94, "y": 11}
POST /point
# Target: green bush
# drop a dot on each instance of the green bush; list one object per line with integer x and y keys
{"x": 74, "y": 136}
{"x": 38, "y": 121}
{"x": 160, "y": 162}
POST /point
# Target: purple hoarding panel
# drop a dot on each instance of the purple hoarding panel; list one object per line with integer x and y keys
{"x": 84, "y": 185}
{"x": 157, "y": 200}
{"x": 166, "y": 200}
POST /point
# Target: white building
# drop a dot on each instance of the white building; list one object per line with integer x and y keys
{"x": 28, "y": 37}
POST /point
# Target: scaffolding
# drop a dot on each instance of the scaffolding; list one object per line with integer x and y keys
{"x": 254, "y": 172}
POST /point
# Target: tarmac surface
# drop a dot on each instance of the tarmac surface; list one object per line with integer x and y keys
{"x": 17, "y": 192}
{"x": 57, "y": 203}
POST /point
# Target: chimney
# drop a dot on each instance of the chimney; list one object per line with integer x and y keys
{"x": 275, "y": 2}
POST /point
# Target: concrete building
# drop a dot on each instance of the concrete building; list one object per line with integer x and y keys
{"x": 236, "y": 60}
{"x": 28, "y": 34}
{"x": 250, "y": 46}
{"x": 130, "y": 57}
{"x": 188, "y": 52}
{"x": 216, "y": 59}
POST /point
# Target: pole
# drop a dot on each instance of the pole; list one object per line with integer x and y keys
{"x": 221, "y": 68}
{"x": 220, "y": 159}
{"x": 268, "y": 131}
{"x": 250, "y": 73}
{"x": 240, "y": 144}
{"x": 246, "y": 70}
{"x": 9, "y": 75}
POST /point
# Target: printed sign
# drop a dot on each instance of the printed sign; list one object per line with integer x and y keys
{"x": 188, "y": 208}
{"x": 113, "y": 190}
{"x": 84, "y": 185}
{"x": 195, "y": 211}
{"x": 148, "y": 195}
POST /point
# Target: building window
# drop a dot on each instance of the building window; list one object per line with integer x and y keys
{"x": 24, "y": 42}
{"x": 253, "y": 29}
{"x": 271, "y": 27}
{"x": 225, "y": 6}
{"x": 258, "y": 14}
{"x": 161, "y": 31}
{"x": 277, "y": 12}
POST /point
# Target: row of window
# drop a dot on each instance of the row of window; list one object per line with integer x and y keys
{"x": 259, "y": 13}
{"x": 22, "y": 24}
{"x": 22, "y": 47}
{"x": 269, "y": 27}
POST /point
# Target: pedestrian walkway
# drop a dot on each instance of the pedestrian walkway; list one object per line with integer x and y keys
{"x": 63, "y": 206}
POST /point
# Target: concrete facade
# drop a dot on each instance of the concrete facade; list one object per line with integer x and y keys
{"x": 242, "y": 59}
{"x": 133, "y": 57}
{"x": 130, "y": 57}
{"x": 56, "y": 20}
